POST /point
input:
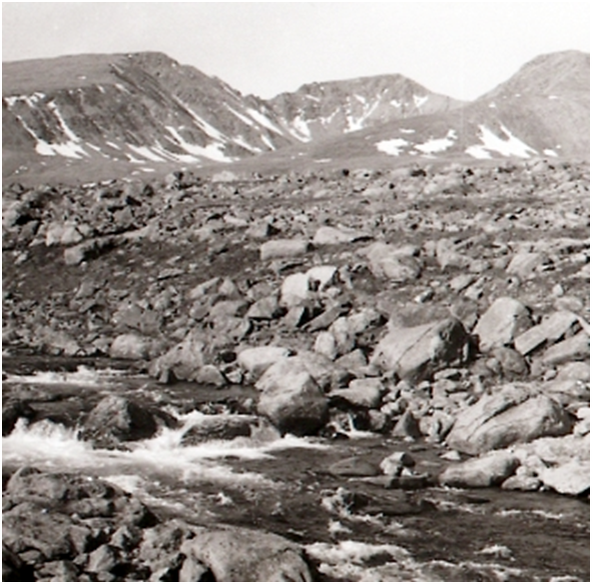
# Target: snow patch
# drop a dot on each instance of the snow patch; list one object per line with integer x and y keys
{"x": 550, "y": 152}
{"x": 492, "y": 105}
{"x": 302, "y": 129}
{"x": 553, "y": 97}
{"x": 145, "y": 152}
{"x": 240, "y": 141}
{"x": 360, "y": 98}
{"x": 419, "y": 100}
{"x": 122, "y": 88}
{"x": 265, "y": 139}
{"x": 314, "y": 98}
{"x": 211, "y": 151}
{"x": 392, "y": 147}
{"x": 113, "y": 145}
{"x": 202, "y": 124}
{"x": 396, "y": 103}
{"x": 406, "y": 131}
{"x": 263, "y": 120}
{"x": 437, "y": 144}
{"x": 512, "y": 146}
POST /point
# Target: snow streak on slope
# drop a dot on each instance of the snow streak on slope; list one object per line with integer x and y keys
{"x": 393, "y": 147}
{"x": 512, "y": 146}
{"x": 437, "y": 144}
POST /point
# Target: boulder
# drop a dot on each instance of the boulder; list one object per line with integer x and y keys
{"x": 574, "y": 348}
{"x": 295, "y": 403}
{"x": 256, "y": 360}
{"x": 571, "y": 478}
{"x": 283, "y": 248}
{"x": 354, "y": 466}
{"x": 364, "y": 393}
{"x": 550, "y": 329}
{"x": 12, "y": 410}
{"x": 132, "y": 346}
{"x": 388, "y": 261}
{"x": 237, "y": 554}
{"x": 525, "y": 264}
{"x": 182, "y": 362}
{"x": 115, "y": 419}
{"x": 327, "y": 235}
{"x": 295, "y": 289}
{"x": 320, "y": 277}
{"x": 508, "y": 416}
{"x": 219, "y": 427}
{"x": 447, "y": 255}
{"x": 502, "y": 322}
{"x": 326, "y": 345}
{"x": 417, "y": 352}
{"x": 489, "y": 470}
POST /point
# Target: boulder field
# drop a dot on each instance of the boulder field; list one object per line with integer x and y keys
{"x": 454, "y": 312}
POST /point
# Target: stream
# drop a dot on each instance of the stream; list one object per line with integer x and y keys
{"x": 354, "y": 528}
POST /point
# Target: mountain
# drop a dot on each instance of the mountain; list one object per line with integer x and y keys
{"x": 97, "y": 116}
{"x": 136, "y": 109}
{"x": 542, "y": 110}
{"x": 320, "y": 110}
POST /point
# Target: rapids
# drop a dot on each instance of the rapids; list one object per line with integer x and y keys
{"x": 355, "y": 530}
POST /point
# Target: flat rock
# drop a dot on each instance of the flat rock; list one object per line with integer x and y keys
{"x": 488, "y": 470}
{"x": 283, "y": 248}
{"x": 550, "y": 329}
{"x": 571, "y": 478}
{"x": 574, "y": 348}
{"x": 256, "y": 360}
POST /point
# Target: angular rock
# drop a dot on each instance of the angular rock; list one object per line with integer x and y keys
{"x": 283, "y": 248}
{"x": 320, "y": 277}
{"x": 417, "y": 352}
{"x": 355, "y": 466}
{"x": 503, "y": 321}
{"x": 509, "y": 416}
{"x": 327, "y": 235}
{"x": 256, "y": 360}
{"x": 488, "y": 470}
{"x": 237, "y": 554}
{"x": 295, "y": 289}
{"x": 448, "y": 255}
{"x": 550, "y": 329}
{"x": 131, "y": 346}
{"x": 364, "y": 393}
{"x": 182, "y": 362}
{"x": 326, "y": 345}
{"x": 295, "y": 404}
{"x": 115, "y": 419}
{"x": 574, "y": 348}
{"x": 388, "y": 261}
{"x": 525, "y": 264}
{"x": 571, "y": 478}
{"x": 219, "y": 427}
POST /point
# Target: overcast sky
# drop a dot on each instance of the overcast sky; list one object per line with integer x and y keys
{"x": 461, "y": 49}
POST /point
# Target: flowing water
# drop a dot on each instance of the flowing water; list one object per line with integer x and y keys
{"x": 356, "y": 530}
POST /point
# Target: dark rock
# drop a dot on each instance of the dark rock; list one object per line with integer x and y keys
{"x": 12, "y": 411}
{"x": 354, "y": 467}
{"x": 219, "y": 427}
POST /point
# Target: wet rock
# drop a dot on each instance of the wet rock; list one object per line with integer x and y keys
{"x": 503, "y": 321}
{"x": 574, "y": 348}
{"x": 182, "y": 362}
{"x": 283, "y": 248}
{"x": 488, "y": 470}
{"x": 417, "y": 352}
{"x": 219, "y": 427}
{"x": 12, "y": 410}
{"x": 237, "y": 554}
{"x": 294, "y": 404}
{"x": 115, "y": 419}
{"x": 256, "y": 360}
{"x": 508, "y": 416}
{"x": 354, "y": 466}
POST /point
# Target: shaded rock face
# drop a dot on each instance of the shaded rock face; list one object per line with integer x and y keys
{"x": 415, "y": 353}
{"x": 509, "y": 416}
{"x": 116, "y": 419}
{"x": 294, "y": 403}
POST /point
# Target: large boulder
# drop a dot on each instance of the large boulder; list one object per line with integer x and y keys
{"x": 501, "y": 323}
{"x": 133, "y": 346}
{"x": 236, "y": 554}
{"x": 182, "y": 362}
{"x": 220, "y": 427}
{"x": 509, "y": 416}
{"x": 571, "y": 478}
{"x": 294, "y": 403}
{"x": 115, "y": 419}
{"x": 256, "y": 360}
{"x": 485, "y": 471}
{"x": 417, "y": 352}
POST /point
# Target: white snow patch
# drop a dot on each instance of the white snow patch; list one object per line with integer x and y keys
{"x": 240, "y": 116}
{"x": 147, "y": 169}
{"x": 30, "y": 100}
{"x": 358, "y": 124}
{"x": 553, "y": 97}
{"x": 244, "y": 144}
{"x": 360, "y": 98}
{"x": 263, "y": 120}
{"x": 406, "y": 131}
{"x": 202, "y": 124}
{"x": 302, "y": 129}
{"x": 512, "y": 146}
{"x": 313, "y": 97}
{"x": 101, "y": 88}
{"x": 67, "y": 131}
{"x": 122, "y": 88}
{"x": 134, "y": 160}
{"x": 396, "y": 103}
{"x": 265, "y": 139}
{"x": 419, "y": 100}
{"x": 550, "y": 152}
{"x": 113, "y": 145}
{"x": 437, "y": 144}
{"x": 211, "y": 151}
{"x": 492, "y": 105}
{"x": 145, "y": 152}
{"x": 392, "y": 147}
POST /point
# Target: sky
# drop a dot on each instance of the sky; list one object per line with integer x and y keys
{"x": 461, "y": 49}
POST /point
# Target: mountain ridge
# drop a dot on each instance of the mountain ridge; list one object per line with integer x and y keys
{"x": 140, "y": 112}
